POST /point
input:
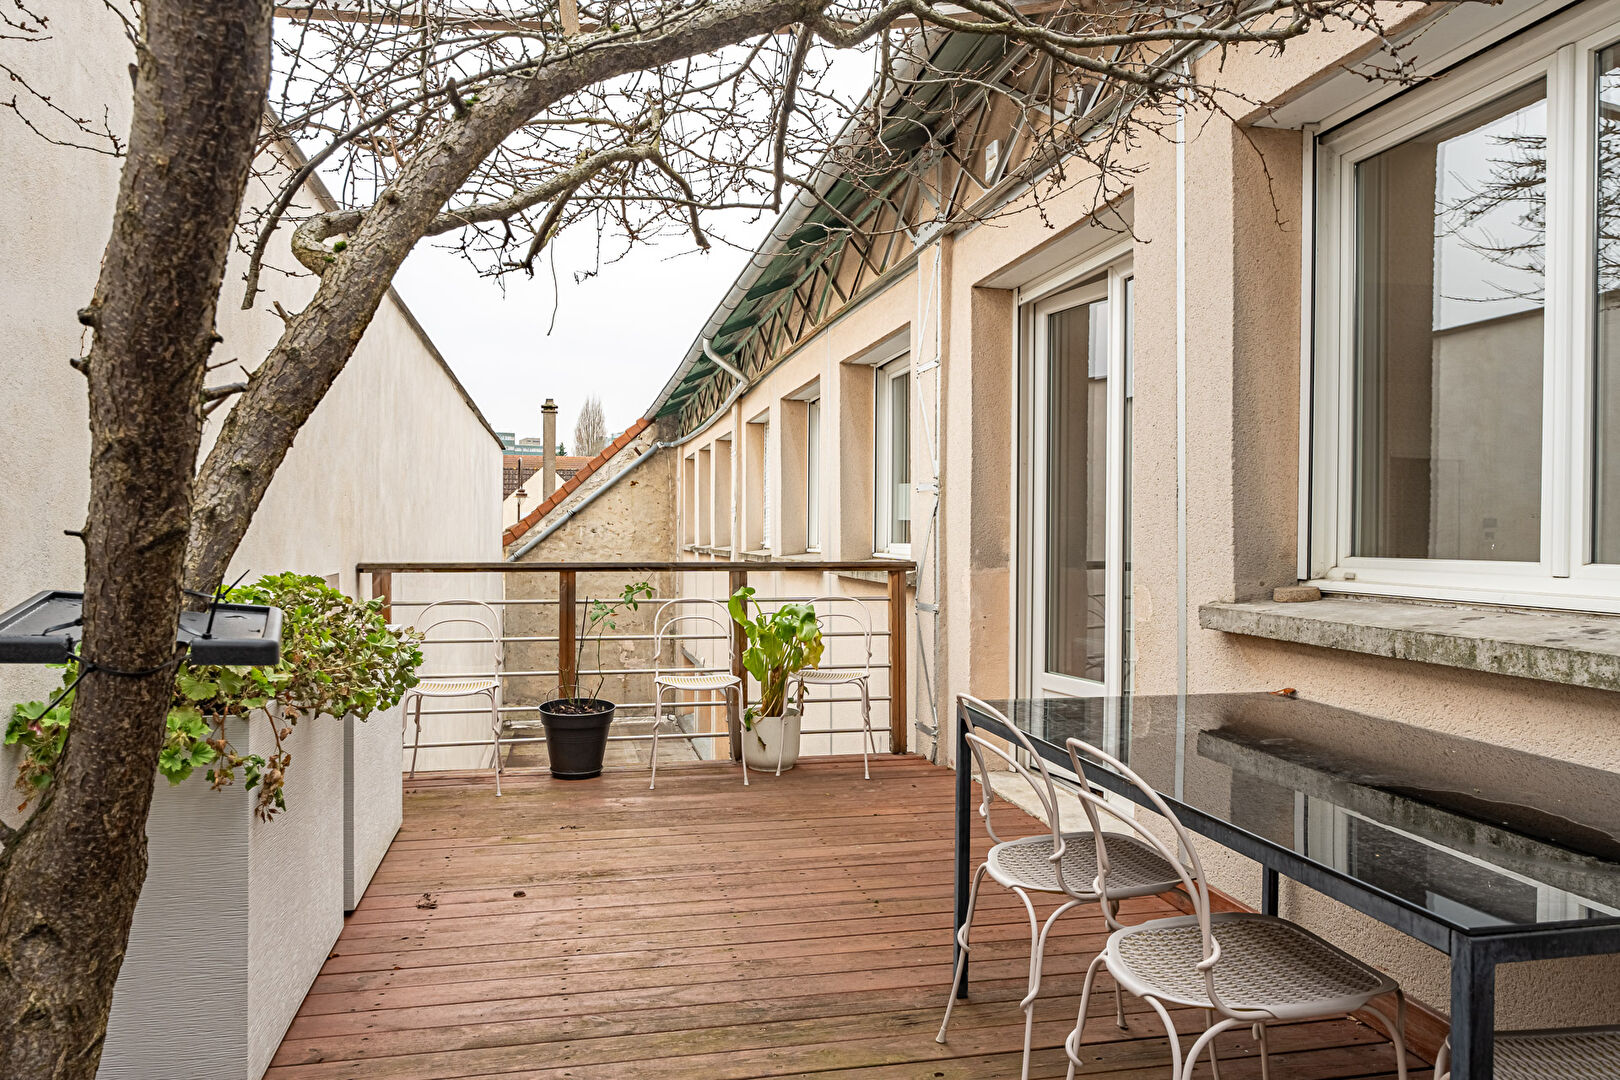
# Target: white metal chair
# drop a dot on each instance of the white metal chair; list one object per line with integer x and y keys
{"x": 1249, "y": 969}
{"x": 670, "y": 624}
{"x": 1061, "y": 863}
{"x": 1569, "y": 1054}
{"x": 470, "y": 686}
{"x": 859, "y": 677}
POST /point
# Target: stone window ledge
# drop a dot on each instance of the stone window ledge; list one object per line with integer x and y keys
{"x": 1553, "y": 646}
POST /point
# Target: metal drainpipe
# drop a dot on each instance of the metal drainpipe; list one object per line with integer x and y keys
{"x": 724, "y": 407}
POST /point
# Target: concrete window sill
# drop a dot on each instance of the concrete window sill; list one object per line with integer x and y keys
{"x": 1560, "y": 647}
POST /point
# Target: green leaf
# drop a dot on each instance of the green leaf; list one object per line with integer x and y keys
{"x": 195, "y": 687}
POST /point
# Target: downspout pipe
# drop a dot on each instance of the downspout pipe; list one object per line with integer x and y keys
{"x": 737, "y": 391}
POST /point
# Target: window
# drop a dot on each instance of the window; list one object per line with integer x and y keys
{"x": 1466, "y": 416}
{"x": 757, "y": 483}
{"x": 1076, "y": 589}
{"x": 765, "y": 507}
{"x": 1076, "y": 488}
{"x": 812, "y": 475}
{"x": 689, "y": 501}
{"x": 894, "y": 456}
{"x": 705, "y": 499}
{"x": 723, "y": 512}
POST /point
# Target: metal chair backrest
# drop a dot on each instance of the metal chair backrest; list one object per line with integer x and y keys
{"x": 862, "y": 621}
{"x": 490, "y": 624}
{"x": 1039, "y": 780}
{"x": 674, "y": 619}
{"x": 1183, "y": 858}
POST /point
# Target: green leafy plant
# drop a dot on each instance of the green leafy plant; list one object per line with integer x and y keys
{"x": 780, "y": 644}
{"x": 338, "y": 658}
{"x": 600, "y": 616}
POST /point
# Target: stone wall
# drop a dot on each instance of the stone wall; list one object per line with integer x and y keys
{"x": 632, "y": 521}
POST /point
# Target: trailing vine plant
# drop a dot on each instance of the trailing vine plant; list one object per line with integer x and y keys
{"x": 338, "y": 658}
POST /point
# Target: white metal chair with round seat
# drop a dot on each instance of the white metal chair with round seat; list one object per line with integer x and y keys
{"x": 858, "y": 676}
{"x": 464, "y": 686}
{"x": 1567, "y": 1054}
{"x": 670, "y": 625}
{"x": 1247, "y": 969}
{"x": 1057, "y": 863}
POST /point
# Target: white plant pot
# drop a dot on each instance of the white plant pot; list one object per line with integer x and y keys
{"x": 235, "y": 918}
{"x": 772, "y": 739}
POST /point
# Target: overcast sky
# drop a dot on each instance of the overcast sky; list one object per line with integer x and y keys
{"x": 618, "y": 335}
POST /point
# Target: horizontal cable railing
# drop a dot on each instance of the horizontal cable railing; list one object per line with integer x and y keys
{"x": 570, "y": 612}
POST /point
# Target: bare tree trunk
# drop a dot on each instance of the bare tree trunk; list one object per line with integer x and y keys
{"x": 69, "y": 878}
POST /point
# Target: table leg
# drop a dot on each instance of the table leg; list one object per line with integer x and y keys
{"x": 1473, "y": 1010}
{"x": 964, "y": 822}
{"x": 1268, "y": 891}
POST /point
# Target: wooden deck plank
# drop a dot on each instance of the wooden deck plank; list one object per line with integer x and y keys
{"x": 796, "y": 928}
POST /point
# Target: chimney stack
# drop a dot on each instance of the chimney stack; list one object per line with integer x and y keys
{"x": 548, "y": 462}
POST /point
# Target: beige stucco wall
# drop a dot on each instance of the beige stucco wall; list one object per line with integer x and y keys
{"x": 1241, "y": 335}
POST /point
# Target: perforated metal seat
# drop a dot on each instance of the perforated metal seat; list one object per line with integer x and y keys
{"x": 1240, "y": 969}
{"x": 828, "y": 676}
{"x": 1267, "y": 964}
{"x": 673, "y": 624}
{"x": 1573, "y": 1054}
{"x": 1026, "y": 865}
{"x": 486, "y": 624}
{"x": 852, "y": 611}
{"x": 697, "y": 682}
{"x": 454, "y": 687}
{"x": 1136, "y": 870}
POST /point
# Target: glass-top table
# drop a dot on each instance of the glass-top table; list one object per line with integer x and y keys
{"x": 1490, "y": 854}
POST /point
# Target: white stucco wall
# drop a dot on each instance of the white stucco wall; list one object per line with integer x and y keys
{"x": 395, "y": 464}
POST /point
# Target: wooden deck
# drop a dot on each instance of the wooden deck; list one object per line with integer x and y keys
{"x": 704, "y": 931}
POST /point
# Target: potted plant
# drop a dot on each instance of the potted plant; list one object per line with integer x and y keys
{"x": 577, "y": 722}
{"x": 248, "y": 859}
{"x": 781, "y": 643}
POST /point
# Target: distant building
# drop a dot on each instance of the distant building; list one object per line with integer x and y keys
{"x": 517, "y": 465}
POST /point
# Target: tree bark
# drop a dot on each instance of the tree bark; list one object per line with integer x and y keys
{"x": 69, "y": 879}
{"x": 318, "y": 341}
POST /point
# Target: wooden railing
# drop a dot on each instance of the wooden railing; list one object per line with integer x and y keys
{"x": 567, "y": 574}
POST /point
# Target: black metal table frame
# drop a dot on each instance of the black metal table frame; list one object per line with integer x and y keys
{"x": 1474, "y": 953}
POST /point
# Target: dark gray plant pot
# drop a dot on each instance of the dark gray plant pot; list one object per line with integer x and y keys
{"x": 576, "y": 742}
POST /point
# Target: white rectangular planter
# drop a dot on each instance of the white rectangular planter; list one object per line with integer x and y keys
{"x": 236, "y": 916}
{"x": 373, "y": 797}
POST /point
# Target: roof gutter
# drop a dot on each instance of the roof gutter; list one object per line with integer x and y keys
{"x": 724, "y": 407}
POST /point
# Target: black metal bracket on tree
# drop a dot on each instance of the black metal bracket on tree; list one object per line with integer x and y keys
{"x": 46, "y": 629}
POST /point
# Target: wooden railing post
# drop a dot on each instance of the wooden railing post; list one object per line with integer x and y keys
{"x": 739, "y": 578}
{"x": 567, "y": 677}
{"x": 382, "y": 588}
{"x": 899, "y": 712}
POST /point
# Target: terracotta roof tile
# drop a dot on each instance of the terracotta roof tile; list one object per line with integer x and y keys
{"x": 583, "y": 473}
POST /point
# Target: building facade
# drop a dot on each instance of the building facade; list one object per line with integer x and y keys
{"x": 1360, "y": 337}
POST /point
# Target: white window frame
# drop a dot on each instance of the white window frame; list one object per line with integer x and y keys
{"x": 1563, "y": 52}
{"x": 812, "y": 475}
{"x": 886, "y": 374}
{"x": 1106, "y": 282}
